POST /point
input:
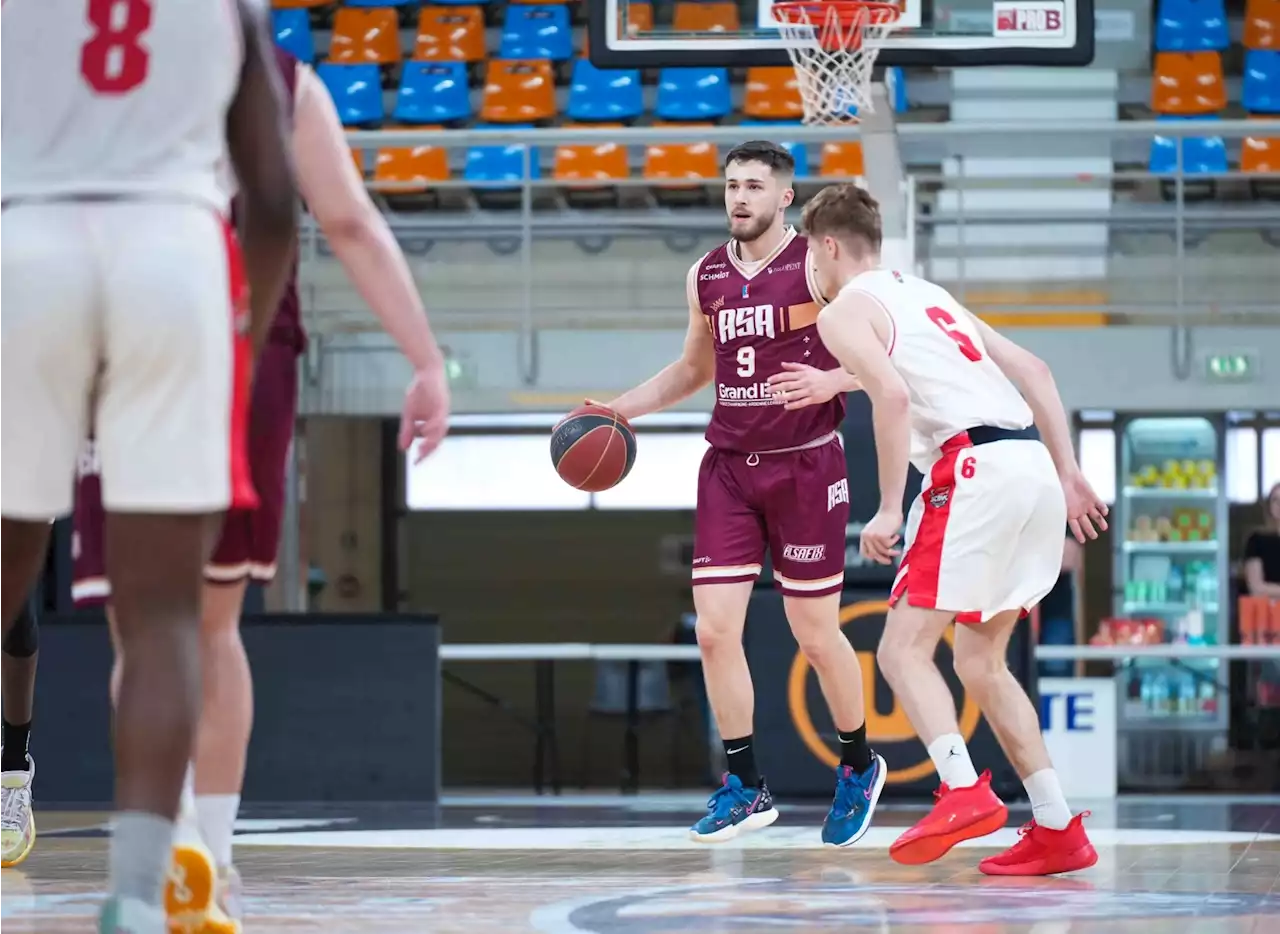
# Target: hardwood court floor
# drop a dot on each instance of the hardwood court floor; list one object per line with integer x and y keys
{"x": 607, "y": 865}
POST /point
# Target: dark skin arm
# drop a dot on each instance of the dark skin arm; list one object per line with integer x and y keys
{"x": 258, "y": 142}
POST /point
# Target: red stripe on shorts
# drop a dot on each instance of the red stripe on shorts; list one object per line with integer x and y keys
{"x": 243, "y": 495}
{"x": 925, "y": 556}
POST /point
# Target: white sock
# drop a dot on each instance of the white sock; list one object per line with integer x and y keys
{"x": 217, "y": 824}
{"x": 187, "y": 827}
{"x": 1048, "y": 804}
{"x": 951, "y": 758}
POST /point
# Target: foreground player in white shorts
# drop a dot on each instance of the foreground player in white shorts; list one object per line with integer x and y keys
{"x": 984, "y": 538}
{"x": 125, "y": 312}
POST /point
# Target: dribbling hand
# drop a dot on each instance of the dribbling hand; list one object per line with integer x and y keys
{"x": 1086, "y": 512}
{"x": 425, "y": 416}
{"x": 880, "y": 535}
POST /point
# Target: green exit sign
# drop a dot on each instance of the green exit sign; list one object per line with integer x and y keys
{"x": 1231, "y": 367}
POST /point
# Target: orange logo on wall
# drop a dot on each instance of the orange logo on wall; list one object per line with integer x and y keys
{"x": 883, "y": 730}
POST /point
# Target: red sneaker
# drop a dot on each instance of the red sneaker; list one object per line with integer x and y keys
{"x": 959, "y": 814}
{"x": 1043, "y": 852}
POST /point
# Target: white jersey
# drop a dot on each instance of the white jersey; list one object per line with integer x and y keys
{"x": 118, "y": 97}
{"x": 937, "y": 349}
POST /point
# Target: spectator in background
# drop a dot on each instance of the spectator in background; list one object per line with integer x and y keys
{"x": 1262, "y": 553}
{"x": 1058, "y": 610}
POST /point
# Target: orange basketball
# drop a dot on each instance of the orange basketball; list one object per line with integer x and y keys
{"x": 593, "y": 448}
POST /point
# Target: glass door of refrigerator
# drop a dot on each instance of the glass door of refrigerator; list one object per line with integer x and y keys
{"x": 1170, "y": 545}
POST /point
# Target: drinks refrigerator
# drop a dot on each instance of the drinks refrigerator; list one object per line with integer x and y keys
{"x": 1170, "y": 539}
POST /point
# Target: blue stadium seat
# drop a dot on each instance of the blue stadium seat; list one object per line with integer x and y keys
{"x": 377, "y": 3}
{"x": 433, "y": 92}
{"x": 693, "y": 93}
{"x": 1191, "y": 26}
{"x": 1262, "y": 81}
{"x": 797, "y": 150}
{"x": 1201, "y": 155}
{"x": 537, "y": 32}
{"x": 500, "y": 163}
{"x": 895, "y": 80}
{"x": 356, "y": 91}
{"x": 457, "y": 2}
{"x": 604, "y": 96}
{"x": 292, "y": 30}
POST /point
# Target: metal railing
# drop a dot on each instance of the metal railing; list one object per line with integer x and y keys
{"x": 538, "y": 261}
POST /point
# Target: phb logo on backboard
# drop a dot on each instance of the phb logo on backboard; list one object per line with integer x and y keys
{"x": 1030, "y": 18}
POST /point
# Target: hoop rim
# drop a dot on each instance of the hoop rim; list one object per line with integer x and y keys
{"x": 797, "y": 12}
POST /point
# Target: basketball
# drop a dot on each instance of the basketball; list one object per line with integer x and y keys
{"x": 593, "y": 448}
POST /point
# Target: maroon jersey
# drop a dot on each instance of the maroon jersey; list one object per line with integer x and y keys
{"x": 286, "y": 326}
{"x": 759, "y": 320}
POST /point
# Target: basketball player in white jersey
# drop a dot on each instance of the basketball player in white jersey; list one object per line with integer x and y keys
{"x": 124, "y": 310}
{"x": 984, "y": 539}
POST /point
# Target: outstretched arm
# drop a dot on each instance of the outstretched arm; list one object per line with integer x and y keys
{"x": 856, "y": 329}
{"x": 1085, "y": 510}
{"x": 369, "y": 253}
{"x": 677, "y": 380}
{"x": 1034, "y": 380}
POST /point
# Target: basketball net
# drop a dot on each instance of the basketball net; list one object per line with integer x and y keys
{"x": 833, "y": 45}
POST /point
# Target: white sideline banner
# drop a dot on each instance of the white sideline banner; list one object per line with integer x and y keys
{"x": 1078, "y": 719}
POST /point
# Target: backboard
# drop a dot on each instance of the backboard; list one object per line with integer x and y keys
{"x": 950, "y": 33}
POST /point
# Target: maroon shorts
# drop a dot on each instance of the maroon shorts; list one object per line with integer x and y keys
{"x": 796, "y": 503}
{"x": 250, "y": 537}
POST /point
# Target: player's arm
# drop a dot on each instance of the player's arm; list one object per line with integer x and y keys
{"x": 855, "y": 328}
{"x": 1035, "y": 381}
{"x": 353, "y": 225}
{"x": 680, "y": 379}
{"x": 258, "y": 143}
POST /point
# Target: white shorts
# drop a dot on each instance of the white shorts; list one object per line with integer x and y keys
{"x": 121, "y": 317}
{"x": 986, "y": 533}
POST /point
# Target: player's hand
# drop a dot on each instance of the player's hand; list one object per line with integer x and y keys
{"x": 425, "y": 417}
{"x": 800, "y": 385}
{"x": 1086, "y": 512}
{"x": 880, "y": 535}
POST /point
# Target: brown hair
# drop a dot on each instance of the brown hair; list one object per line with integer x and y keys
{"x": 844, "y": 211}
{"x": 776, "y": 157}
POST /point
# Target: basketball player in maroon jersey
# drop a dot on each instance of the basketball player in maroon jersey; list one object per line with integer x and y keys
{"x": 774, "y": 477}
{"x": 117, "y": 237}
{"x": 247, "y": 547}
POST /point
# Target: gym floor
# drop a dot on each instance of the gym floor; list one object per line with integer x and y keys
{"x": 596, "y": 864}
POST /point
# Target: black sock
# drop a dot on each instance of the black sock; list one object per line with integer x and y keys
{"x": 16, "y": 737}
{"x": 742, "y": 761}
{"x": 854, "y": 750}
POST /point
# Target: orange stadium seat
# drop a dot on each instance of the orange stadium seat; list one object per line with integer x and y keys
{"x": 1188, "y": 83}
{"x": 773, "y": 93}
{"x": 365, "y": 37}
{"x": 519, "y": 91}
{"x": 842, "y": 159}
{"x": 411, "y": 169}
{"x": 299, "y": 4}
{"x": 694, "y": 16}
{"x": 357, "y": 159}
{"x": 681, "y": 162}
{"x": 450, "y": 34}
{"x": 1262, "y": 24}
{"x": 592, "y": 166}
{"x": 1260, "y": 154}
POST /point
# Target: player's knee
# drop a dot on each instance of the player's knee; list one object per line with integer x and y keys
{"x": 977, "y": 666}
{"x": 23, "y": 639}
{"x": 892, "y": 658}
{"x": 717, "y": 633}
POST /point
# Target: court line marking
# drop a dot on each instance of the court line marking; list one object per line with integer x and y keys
{"x": 676, "y": 838}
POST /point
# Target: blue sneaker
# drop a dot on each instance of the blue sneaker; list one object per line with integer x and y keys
{"x": 856, "y": 796}
{"x": 733, "y": 808}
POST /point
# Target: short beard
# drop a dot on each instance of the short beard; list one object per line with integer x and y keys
{"x": 753, "y": 233}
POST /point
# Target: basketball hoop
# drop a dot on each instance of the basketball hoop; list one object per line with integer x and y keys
{"x": 833, "y": 45}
